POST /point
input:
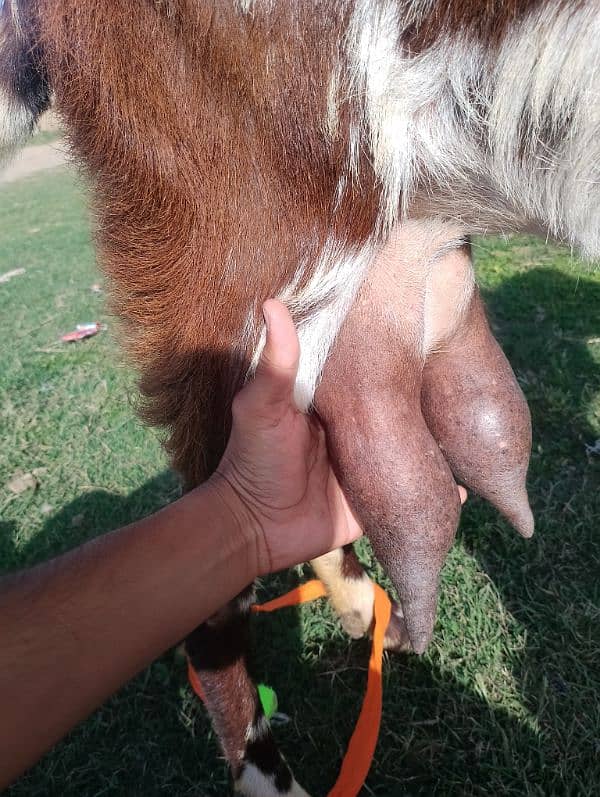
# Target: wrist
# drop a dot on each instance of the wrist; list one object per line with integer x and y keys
{"x": 240, "y": 522}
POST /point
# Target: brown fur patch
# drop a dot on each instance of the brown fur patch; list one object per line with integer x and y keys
{"x": 203, "y": 132}
{"x": 486, "y": 21}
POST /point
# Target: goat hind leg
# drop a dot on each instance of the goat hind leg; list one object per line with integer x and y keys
{"x": 350, "y": 591}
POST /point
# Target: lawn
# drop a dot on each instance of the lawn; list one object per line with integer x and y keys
{"x": 44, "y": 137}
{"x": 506, "y": 700}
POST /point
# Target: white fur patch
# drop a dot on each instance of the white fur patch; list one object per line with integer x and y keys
{"x": 322, "y": 305}
{"x": 445, "y": 125}
{"x": 407, "y": 124}
{"x": 15, "y": 124}
{"x": 351, "y": 598}
{"x": 257, "y": 730}
{"x": 550, "y": 70}
{"x": 375, "y": 73}
{"x": 254, "y": 783}
{"x": 16, "y": 121}
{"x": 246, "y": 7}
{"x": 16, "y": 17}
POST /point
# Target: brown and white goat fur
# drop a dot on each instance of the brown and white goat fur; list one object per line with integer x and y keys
{"x": 243, "y": 149}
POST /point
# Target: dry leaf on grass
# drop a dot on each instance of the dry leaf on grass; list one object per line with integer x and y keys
{"x": 8, "y": 275}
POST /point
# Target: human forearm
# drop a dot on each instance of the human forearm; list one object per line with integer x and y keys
{"x": 76, "y": 628}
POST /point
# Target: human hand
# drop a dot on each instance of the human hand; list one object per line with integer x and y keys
{"x": 275, "y": 474}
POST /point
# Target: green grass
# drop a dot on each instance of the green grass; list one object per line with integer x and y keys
{"x": 44, "y": 137}
{"x": 507, "y": 699}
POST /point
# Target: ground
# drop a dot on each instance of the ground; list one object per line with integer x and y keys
{"x": 506, "y": 700}
{"x": 35, "y": 158}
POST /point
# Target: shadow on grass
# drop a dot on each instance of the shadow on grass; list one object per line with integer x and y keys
{"x": 438, "y": 735}
{"x": 551, "y": 584}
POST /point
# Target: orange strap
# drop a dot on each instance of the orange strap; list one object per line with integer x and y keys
{"x": 303, "y": 593}
{"x": 195, "y": 682}
{"x": 359, "y": 755}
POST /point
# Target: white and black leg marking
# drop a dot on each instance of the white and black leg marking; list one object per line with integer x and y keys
{"x": 254, "y": 782}
{"x": 218, "y": 652}
{"x": 349, "y": 588}
{"x": 350, "y": 592}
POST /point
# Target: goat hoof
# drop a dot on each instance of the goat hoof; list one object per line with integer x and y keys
{"x": 396, "y": 638}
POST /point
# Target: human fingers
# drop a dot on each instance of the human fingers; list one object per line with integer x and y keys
{"x": 278, "y": 365}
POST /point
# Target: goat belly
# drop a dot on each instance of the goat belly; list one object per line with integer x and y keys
{"x": 476, "y": 411}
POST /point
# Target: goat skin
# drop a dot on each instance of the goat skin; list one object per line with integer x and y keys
{"x": 391, "y": 468}
{"x": 476, "y": 411}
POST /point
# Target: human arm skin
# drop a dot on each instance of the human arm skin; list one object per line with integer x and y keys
{"x": 74, "y": 629}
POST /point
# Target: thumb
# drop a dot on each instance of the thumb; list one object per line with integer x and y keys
{"x": 278, "y": 365}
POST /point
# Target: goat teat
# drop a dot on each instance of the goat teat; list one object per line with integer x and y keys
{"x": 416, "y": 392}
{"x": 391, "y": 467}
{"x": 472, "y": 402}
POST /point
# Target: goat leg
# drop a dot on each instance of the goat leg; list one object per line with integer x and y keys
{"x": 218, "y": 651}
{"x": 350, "y": 592}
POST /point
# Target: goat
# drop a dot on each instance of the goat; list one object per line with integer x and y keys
{"x": 240, "y": 150}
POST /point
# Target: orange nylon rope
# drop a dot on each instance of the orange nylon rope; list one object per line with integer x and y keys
{"x": 195, "y": 682}
{"x": 359, "y": 755}
{"x": 303, "y": 593}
